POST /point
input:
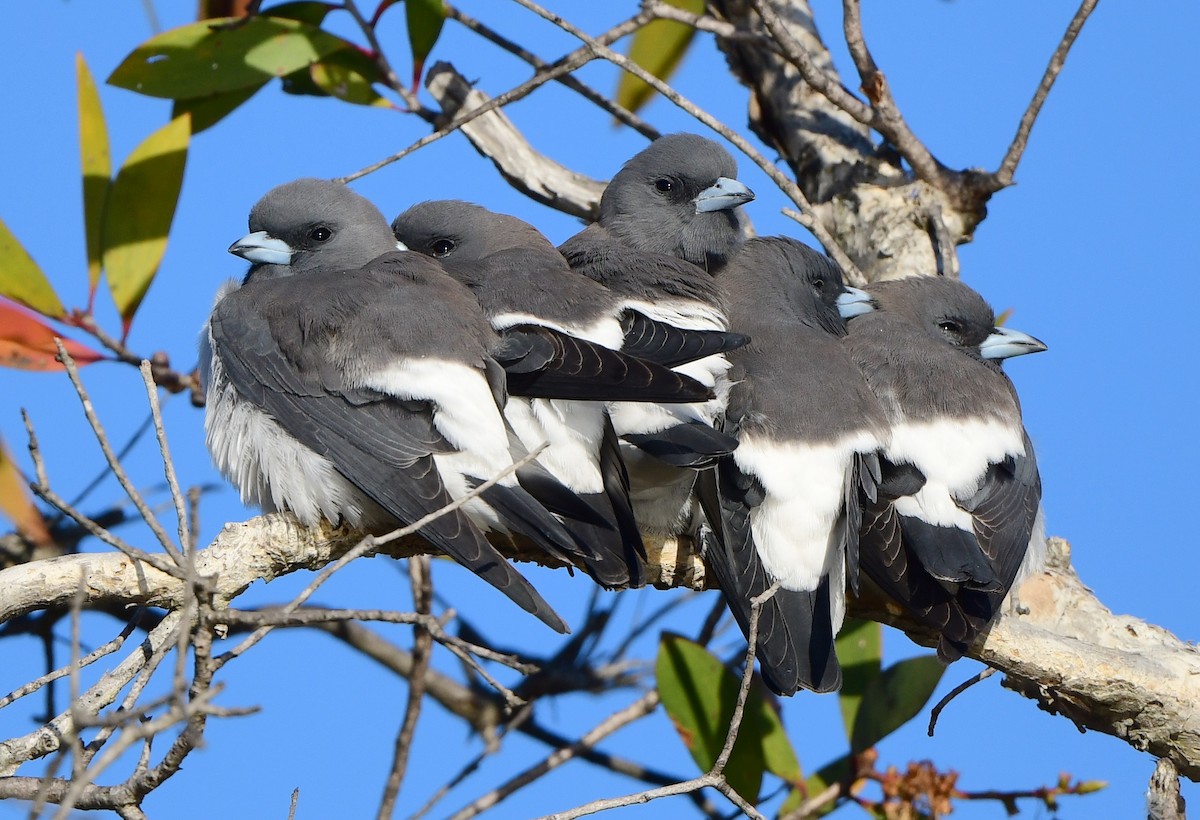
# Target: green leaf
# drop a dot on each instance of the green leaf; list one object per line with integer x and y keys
{"x": 859, "y": 648}
{"x": 894, "y": 698}
{"x": 27, "y": 343}
{"x": 699, "y": 694}
{"x": 305, "y": 11}
{"x": 22, "y": 280}
{"x": 96, "y": 165}
{"x": 140, "y": 209}
{"x": 197, "y": 60}
{"x": 425, "y": 19}
{"x": 659, "y": 48}
{"x": 342, "y": 75}
{"x": 208, "y": 111}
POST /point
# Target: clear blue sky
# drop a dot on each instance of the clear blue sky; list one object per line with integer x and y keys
{"x": 1089, "y": 249}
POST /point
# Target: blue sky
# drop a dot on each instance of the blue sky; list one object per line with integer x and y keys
{"x": 1089, "y": 250}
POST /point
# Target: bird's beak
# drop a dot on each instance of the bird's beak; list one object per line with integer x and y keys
{"x": 262, "y": 249}
{"x": 854, "y": 302}
{"x": 1005, "y": 342}
{"x": 723, "y": 195}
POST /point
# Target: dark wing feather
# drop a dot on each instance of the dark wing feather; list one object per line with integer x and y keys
{"x": 692, "y": 444}
{"x": 1004, "y": 509}
{"x": 548, "y": 364}
{"x": 672, "y": 346}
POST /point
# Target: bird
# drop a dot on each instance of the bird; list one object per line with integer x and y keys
{"x": 525, "y": 286}
{"x": 364, "y": 391}
{"x": 667, "y": 220}
{"x": 958, "y": 520}
{"x": 784, "y": 506}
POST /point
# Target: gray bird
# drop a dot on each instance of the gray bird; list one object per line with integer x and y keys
{"x": 958, "y": 520}
{"x": 784, "y": 507}
{"x": 365, "y": 395}
{"x": 668, "y": 216}
{"x": 525, "y": 286}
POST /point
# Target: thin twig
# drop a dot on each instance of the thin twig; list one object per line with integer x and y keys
{"x": 1004, "y": 174}
{"x": 391, "y": 79}
{"x": 42, "y": 490}
{"x": 185, "y": 532}
{"x": 294, "y": 803}
{"x": 370, "y": 543}
{"x": 422, "y": 590}
{"x": 619, "y": 112}
{"x": 986, "y": 673}
{"x": 786, "y": 185}
{"x": 87, "y": 660}
{"x": 564, "y": 66}
{"x": 634, "y": 711}
{"x": 98, "y": 429}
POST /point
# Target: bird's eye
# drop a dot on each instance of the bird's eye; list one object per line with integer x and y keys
{"x": 320, "y": 234}
{"x": 664, "y": 185}
{"x": 948, "y": 326}
{"x": 442, "y": 247}
{"x": 818, "y": 284}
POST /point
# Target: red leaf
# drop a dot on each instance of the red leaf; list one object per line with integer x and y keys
{"x": 27, "y": 343}
{"x": 15, "y": 503}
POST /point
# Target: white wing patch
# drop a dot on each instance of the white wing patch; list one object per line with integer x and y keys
{"x": 954, "y": 455}
{"x": 572, "y": 431}
{"x": 685, "y": 313}
{"x": 606, "y": 331}
{"x": 793, "y": 528}
{"x": 465, "y": 413}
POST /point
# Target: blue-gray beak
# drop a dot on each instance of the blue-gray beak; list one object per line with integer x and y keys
{"x": 854, "y": 302}
{"x": 723, "y": 195}
{"x": 261, "y": 248}
{"x": 1005, "y": 342}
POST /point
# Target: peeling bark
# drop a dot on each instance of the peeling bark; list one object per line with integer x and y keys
{"x": 1060, "y": 647}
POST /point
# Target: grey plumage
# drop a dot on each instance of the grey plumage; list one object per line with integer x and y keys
{"x": 784, "y": 507}
{"x": 522, "y": 283}
{"x": 958, "y": 522}
{"x": 366, "y": 395}
{"x": 668, "y": 217}
{"x": 677, "y": 197}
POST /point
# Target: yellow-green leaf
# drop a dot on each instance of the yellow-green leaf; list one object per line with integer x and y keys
{"x": 341, "y": 75}
{"x": 208, "y": 111}
{"x": 96, "y": 165}
{"x": 425, "y": 19}
{"x": 141, "y": 206}
{"x": 859, "y": 648}
{"x": 22, "y": 280}
{"x": 657, "y": 47}
{"x": 201, "y": 58}
{"x": 699, "y": 694}
{"x": 15, "y": 502}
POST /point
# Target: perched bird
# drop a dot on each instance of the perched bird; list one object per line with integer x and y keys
{"x": 784, "y": 507}
{"x": 365, "y": 394}
{"x": 668, "y": 218}
{"x": 525, "y": 287}
{"x": 958, "y": 520}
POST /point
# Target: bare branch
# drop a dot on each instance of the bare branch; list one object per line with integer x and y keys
{"x": 619, "y": 112}
{"x": 786, "y": 185}
{"x": 1008, "y": 167}
{"x": 634, "y": 711}
{"x": 495, "y": 137}
{"x": 422, "y": 589}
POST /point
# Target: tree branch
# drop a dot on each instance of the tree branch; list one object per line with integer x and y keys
{"x": 1111, "y": 673}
